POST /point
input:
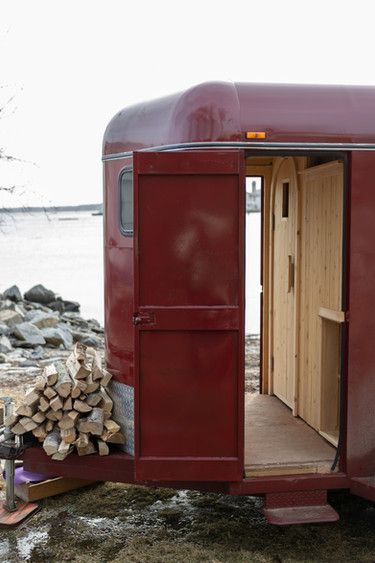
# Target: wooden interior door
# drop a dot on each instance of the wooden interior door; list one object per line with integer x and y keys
{"x": 284, "y": 253}
{"x": 189, "y": 315}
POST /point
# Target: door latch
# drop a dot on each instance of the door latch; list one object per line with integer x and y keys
{"x": 143, "y": 319}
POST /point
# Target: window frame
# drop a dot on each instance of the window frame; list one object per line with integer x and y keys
{"x": 125, "y": 232}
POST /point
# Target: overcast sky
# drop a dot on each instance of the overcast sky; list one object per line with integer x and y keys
{"x": 72, "y": 64}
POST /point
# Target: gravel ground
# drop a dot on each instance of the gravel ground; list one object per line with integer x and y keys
{"x": 123, "y": 523}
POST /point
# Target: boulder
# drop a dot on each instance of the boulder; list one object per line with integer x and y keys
{"x": 11, "y": 318}
{"x": 40, "y": 294}
{"x": 42, "y": 319}
{"x": 4, "y": 329}
{"x": 29, "y": 334}
{"x": 13, "y": 293}
{"x": 38, "y": 353}
{"x": 5, "y": 345}
{"x": 71, "y": 306}
{"x": 58, "y": 335}
{"x": 92, "y": 341}
{"x": 57, "y": 306}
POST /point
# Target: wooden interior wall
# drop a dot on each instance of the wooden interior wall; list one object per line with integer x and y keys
{"x": 284, "y": 262}
{"x": 320, "y": 274}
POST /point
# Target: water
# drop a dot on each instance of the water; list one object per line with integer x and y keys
{"x": 64, "y": 252}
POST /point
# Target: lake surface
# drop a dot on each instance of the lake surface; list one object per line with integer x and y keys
{"x": 64, "y": 252}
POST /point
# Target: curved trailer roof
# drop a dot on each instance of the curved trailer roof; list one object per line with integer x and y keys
{"x": 224, "y": 111}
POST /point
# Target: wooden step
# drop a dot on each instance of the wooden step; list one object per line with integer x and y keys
{"x": 298, "y": 507}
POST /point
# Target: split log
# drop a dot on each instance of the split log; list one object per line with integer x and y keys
{"x": 49, "y": 392}
{"x": 73, "y": 415}
{"x": 77, "y": 369}
{"x": 93, "y": 424}
{"x": 63, "y": 451}
{"x": 68, "y": 404}
{"x": 106, "y": 378}
{"x": 80, "y": 406}
{"x": 66, "y": 422}
{"x": 40, "y": 432}
{"x": 82, "y": 440}
{"x": 106, "y": 403}
{"x": 91, "y": 384}
{"x": 113, "y": 438}
{"x": 112, "y": 426}
{"x": 31, "y": 399}
{"x": 97, "y": 371}
{"x": 18, "y": 429}
{"x": 89, "y": 449}
{"x": 52, "y": 442}
{"x": 103, "y": 448}
{"x": 11, "y": 420}
{"x": 38, "y": 417}
{"x": 28, "y": 423}
{"x": 40, "y": 383}
{"x": 78, "y": 387}
{"x": 50, "y": 373}
{"x": 49, "y": 425}
{"x": 64, "y": 384}
{"x": 56, "y": 404}
{"x": 43, "y": 404}
{"x": 79, "y": 351}
{"x": 94, "y": 399}
{"x": 54, "y": 415}
{"x": 25, "y": 410}
{"x": 68, "y": 435}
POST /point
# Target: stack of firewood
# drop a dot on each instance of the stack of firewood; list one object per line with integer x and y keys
{"x": 69, "y": 407}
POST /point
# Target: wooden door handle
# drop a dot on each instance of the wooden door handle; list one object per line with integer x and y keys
{"x": 290, "y": 273}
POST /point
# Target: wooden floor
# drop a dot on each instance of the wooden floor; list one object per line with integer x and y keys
{"x": 277, "y": 443}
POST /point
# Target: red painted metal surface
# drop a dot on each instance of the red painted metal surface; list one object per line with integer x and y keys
{"x": 360, "y": 444}
{"x": 189, "y": 280}
{"x": 224, "y": 111}
{"x": 298, "y": 507}
{"x": 117, "y": 467}
{"x": 118, "y": 281}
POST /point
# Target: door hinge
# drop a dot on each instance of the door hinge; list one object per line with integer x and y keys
{"x": 272, "y": 363}
{"x": 143, "y": 319}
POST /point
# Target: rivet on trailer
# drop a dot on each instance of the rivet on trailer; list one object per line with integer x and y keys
{"x": 174, "y": 191}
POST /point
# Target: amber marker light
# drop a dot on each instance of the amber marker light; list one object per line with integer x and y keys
{"x": 256, "y": 135}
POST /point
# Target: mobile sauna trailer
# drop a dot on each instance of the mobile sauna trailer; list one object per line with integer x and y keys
{"x": 174, "y": 187}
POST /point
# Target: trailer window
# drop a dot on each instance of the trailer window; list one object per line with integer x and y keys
{"x": 126, "y": 202}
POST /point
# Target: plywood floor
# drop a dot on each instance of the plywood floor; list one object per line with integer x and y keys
{"x": 277, "y": 443}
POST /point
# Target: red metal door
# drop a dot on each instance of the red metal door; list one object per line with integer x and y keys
{"x": 189, "y": 337}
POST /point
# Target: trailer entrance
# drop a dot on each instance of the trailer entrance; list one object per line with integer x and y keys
{"x": 296, "y": 414}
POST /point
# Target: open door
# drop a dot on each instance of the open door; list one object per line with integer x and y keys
{"x": 189, "y": 326}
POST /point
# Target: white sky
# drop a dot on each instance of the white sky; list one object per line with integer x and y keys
{"x": 73, "y": 64}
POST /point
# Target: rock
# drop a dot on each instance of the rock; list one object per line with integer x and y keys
{"x": 40, "y": 294}
{"x": 13, "y": 293}
{"x": 58, "y": 335}
{"x": 29, "y": 334}
{"x": 11, "y": 318}
{"x": 57, "y": 306}
{"x": 4, "y": 329}
{"x": 38, "y": 353}
{"x": 71, "y": 306}
{"x": 5, "y": 345}
{"x": 92, "y": 341}
{"x": 3, "y": 358}
{"x": 42, "y": 319}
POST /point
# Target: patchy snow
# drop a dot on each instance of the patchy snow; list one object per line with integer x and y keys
{"x": 26, "y": 544}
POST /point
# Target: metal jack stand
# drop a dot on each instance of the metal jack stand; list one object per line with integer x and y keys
{"x": 13, "y": 511}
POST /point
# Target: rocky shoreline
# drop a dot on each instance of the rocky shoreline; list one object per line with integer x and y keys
{"x": 36, "y": 329}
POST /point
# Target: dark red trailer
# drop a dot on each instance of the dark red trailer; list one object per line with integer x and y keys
{"x": 174, "y": 212}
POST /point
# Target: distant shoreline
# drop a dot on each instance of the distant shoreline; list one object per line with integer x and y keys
{"x": 52, "y": 208}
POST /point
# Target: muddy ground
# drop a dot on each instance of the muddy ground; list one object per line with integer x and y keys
{"x": 124, "y": 523}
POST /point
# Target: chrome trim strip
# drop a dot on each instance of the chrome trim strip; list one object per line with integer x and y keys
{"x": 249, "y": 145}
